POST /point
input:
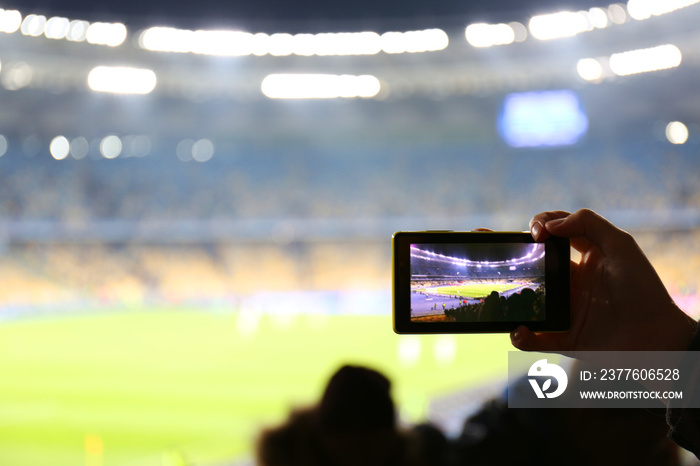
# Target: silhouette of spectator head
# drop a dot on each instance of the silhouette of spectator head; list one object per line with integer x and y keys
{"x": 357, "y": 399}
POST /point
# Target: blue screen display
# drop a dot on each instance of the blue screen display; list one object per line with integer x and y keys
{"x": 545, "y": 118}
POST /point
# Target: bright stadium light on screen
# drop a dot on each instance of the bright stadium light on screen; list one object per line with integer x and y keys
{"x": 122, "y": 80}
{"x": 542, "y": 119}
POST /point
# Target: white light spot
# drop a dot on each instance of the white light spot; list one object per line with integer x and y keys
{"x": 445, "y": 350}
{"x": 319, "y": 86}
{"x": 645, "y": 9}
{"x": 589, "y": 69}
{"x": 59, "y": 147}
{"x": 487, "y": 35}
{"x": 557, "y": 25}
{"x": 111, "y": 34}
{"x": 409, "y": 350}
{"x": 3, "y": 145}
{"x": 247, "y": 322}
{"x": 676, "y": 132}
{"x": 598, "y": 18}
{"x": 645, "y": 60}
{"x": 16, "y": 76}
{"x": 281, "y": 45}
{"x": 519, "y": 30}
{"x": 203, "y": 150}
{"x": 77, "y": 30}
{"x": 10, "y": 21}
{"x": 184, "y": 150}
{"x": 56, "y": 28}
{"x": 111, "y": 147}
{"x": 617, "y": 13}
{"x": 79, "y": 148}
{"x": 122, "y": 80}
{"x": 33, "y": 25}
{"x": 141, "y": 146}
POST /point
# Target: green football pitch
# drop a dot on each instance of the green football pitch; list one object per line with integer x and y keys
{"x": 475, "y": 290}
{"x": 176, "y": 386}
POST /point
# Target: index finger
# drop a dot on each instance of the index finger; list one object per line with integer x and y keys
{"x": 586, "y": 225}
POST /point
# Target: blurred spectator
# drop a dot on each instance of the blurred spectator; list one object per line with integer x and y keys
{"x": 354, "y": 424}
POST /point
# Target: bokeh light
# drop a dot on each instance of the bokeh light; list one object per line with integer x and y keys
{"x": 59, "y": 148}
{"x": 677, "y": 132}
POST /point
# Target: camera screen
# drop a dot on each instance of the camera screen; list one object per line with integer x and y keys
{"x": 477, "y": 282}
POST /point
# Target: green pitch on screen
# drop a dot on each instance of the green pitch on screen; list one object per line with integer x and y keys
{"x": 475, "y": 290}
{"x": 172, "y": 387}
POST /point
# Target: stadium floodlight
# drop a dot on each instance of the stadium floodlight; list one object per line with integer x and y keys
{"x": 535, "y": 253}
{"x": 645, "y": 9}
{"x": 10, "y": 21}
{"x": 589, "y": 69}
{"x": 33, "y": 25}
{"x": 319, "y": 86}
{"x": 237, "y": 43}
{"x": 676, "y": 132}
{"x": 558, "y": 25}
{"x": 598, "y": 18}
{"x": 344, "y": 43}
{"x": 202, "y": 150}
{"x": 221, "y": 43}
{"x": 111, "y": 146}
{"x": 79, "y": 148}
{"x": 617, "y": 13}
{"x": 488, "y": 35}
{"x": 645, "y": 60}
{"x": 428, "y": 40}
{"x": 110, "y": 34}
{"x": 121, "y": 80}
{"x": 77, "y": 30}
{"x": 59, "y": 147}
{"x": 56, "y": 28}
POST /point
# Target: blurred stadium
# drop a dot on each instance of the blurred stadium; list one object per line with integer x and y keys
{"x": 195, "y": 223}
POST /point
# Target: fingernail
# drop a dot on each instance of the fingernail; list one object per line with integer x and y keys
{"x": 515, "y": 336}
{"x": 536, "y": 230}
{"x": 554, "y": 223}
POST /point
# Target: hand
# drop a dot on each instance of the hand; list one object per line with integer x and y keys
{"x": 618, "y": 302}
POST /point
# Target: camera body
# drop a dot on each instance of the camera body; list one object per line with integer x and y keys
{"x": 479, "y": 282}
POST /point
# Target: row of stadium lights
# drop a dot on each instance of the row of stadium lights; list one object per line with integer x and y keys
{"x": 202, "y": 150}
{"x": 142, "y": 81}
{"x": 111, "y": 34}
{"x": 238, "y": 43}
{"x": 128, "y": 80}
{"x": 432, "y": 256}
{"x": 112, "y": 146}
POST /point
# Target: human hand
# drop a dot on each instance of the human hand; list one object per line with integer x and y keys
{"x": 618, "y": 301}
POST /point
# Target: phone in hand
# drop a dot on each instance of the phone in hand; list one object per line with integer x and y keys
{"x": 479, "y": 282}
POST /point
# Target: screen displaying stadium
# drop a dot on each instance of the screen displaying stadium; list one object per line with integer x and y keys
{"x": 477, "y": 282}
